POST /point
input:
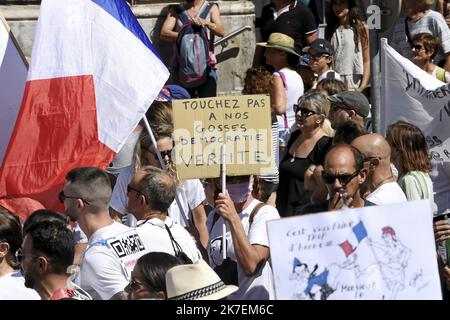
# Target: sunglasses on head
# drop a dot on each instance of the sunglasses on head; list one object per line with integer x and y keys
{"x": 329, "y": 178}
{"x": 303, "y": 111}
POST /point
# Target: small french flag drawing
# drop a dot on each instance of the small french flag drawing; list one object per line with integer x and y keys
{"x": 356, "y": 236}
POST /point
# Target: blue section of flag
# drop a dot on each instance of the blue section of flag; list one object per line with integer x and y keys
{"x": 120, "y": 10}
{"x": 360, "y": 231}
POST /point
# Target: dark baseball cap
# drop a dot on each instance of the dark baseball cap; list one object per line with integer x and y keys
{"x": 321, "y": 46}
{"x": 352, "y": 100}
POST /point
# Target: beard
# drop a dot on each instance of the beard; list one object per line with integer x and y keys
{"x": 30, "y": 279}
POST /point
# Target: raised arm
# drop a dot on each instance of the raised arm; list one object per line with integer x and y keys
{"x": 167, "y": 29}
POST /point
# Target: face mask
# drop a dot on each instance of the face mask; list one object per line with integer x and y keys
{"x": 239, "y": 192}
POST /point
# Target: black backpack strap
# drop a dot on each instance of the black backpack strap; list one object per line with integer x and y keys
{"x": 182, "y": 14}
{"x": 175, "y": 245}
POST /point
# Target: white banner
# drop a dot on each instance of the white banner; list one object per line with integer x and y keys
{"x": 408, "y": 93}
{"x": 364, "y": 253}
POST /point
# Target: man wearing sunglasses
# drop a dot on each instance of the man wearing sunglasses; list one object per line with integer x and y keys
{"x": 343, "y": 175}
{"x": 113, "y": 248}
{"x": 380, "y": 186}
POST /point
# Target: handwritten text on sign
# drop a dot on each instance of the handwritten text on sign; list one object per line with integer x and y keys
{"x": 243, "y": 123}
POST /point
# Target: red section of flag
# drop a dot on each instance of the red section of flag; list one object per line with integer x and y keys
{"x": 347, "y": 247}
{"x": 56, "y": 131}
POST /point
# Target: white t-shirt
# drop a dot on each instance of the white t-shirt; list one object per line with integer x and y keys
{"x": 156, "y": 238}
{"x": 78, "y": 235}
{"x": 293, "y": 86}
{"x": 327, "y": 75}
{"x": 191, "y": 194}
{"x": 387, "y": 193}
{"x": 259, "y": 286}
{"x": 12, "y": 287}
{"x": 107, "y": 262}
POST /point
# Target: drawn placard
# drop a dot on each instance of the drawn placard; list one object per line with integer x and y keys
{"x": 365, "y": 253}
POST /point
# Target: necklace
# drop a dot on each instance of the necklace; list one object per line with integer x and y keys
{"x": 293, "y": 158}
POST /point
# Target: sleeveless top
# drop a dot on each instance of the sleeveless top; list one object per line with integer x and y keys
{"x": 293, "y": 87}
{"x": 348, "y": 61}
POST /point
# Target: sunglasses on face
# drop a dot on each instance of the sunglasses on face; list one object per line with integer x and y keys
{"x": 62, "y": 197}
{"x": 317, "y": 57}
{"x": 303, "y": 111}
{"x": 418, "y": 47}
{"x": 328, "y": 178}
{"x": 19, "y": 255}
{"x": 167, "y": 153}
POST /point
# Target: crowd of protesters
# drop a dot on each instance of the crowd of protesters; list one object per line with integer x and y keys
{"x": 135, "y": 231}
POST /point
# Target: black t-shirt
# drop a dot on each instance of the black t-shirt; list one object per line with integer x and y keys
{"x": 291, "y": 193}
{"x": 295, "y": 23}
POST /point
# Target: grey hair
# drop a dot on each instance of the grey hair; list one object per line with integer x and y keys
{"x": 158, "y": 187}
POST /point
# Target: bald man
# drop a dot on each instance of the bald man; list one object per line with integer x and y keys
{"x": 380, "y": 186}
{"x": 343, "y": 175}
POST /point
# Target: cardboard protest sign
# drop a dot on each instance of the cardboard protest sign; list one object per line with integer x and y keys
{"x": 243, "y": 123}
{"x": 409, "y": 93}
{"x": 365, "y": 253}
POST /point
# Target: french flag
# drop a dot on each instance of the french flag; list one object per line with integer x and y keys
{"x": 358, "y": 234}
{"x": 93, "y": 75}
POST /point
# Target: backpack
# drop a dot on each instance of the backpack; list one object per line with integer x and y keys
{"x": 193, "y": 62}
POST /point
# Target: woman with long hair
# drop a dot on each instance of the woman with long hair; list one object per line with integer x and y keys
{"x": 409, "y": 154}
{"x": 349, "y": 36}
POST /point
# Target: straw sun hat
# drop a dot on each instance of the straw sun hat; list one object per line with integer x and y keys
{"x": 280, "y": 41}
{"x": 196, "y": 281}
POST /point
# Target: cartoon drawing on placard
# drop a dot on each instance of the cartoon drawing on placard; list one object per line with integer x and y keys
{"x": 309, "y": 284}
{"x": 390, "y": 259}
{"x": 392, "y": 256}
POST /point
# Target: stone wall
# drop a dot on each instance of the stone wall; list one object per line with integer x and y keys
{"x": 233, "y": 59}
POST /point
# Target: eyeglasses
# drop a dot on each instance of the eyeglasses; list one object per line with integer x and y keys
{"x": 20, "y": 255}
{"x": 317, "y": 57}
{"x": 417, "y": 47}
{"x": 328, "y": 178}
{"x": 62, "y": 197}
{"x": 305, "y": 113}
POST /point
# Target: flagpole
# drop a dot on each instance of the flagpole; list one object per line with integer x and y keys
{"x": 163, "y": 163}
{"x": 223, "y": 149}
{"x": 375, "y": 93}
